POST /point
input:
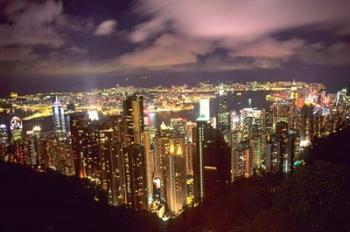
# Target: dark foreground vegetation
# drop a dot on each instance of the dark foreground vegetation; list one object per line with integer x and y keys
{"x": 31, "y": 201}
{"x": 316, "y": 197}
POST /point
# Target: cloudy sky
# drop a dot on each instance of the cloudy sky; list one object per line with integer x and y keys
{"x": 77, "y": 39}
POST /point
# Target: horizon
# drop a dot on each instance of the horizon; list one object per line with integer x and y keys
{"x": 65, "y": 44}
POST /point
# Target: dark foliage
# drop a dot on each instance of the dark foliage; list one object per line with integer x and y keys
{"x": 334, "y": 148}
{"x": 31, "y": 201}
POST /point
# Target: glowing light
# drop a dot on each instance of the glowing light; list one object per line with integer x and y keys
{"x": 179, "y": 150}
{"x": 172, "y": 149}
{"x": 93, "y": 115}
{"x": 16, "y": 123}
{"x": 305, "y": 142}
{"x": 204, "y": 110}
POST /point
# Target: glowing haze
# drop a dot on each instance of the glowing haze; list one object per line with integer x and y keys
{"x": 77, "y": 38}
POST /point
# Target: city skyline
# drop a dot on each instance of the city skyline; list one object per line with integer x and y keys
{"x": 174, "y": 115}
{"x": 166, "y": 150}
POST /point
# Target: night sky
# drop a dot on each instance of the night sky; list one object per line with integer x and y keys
{"x": 70, "y": 45}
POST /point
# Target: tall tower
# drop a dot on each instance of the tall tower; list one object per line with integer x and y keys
{"x": 293, "y": 91}
{"x": 3, "y": 135}
{"x": 84, "y": 134}
{"x": 223, "y": 116}
{"x": 16, "y": 129}
{"x": 4, "y": 141}
{"x": 204, "y": 109}
{"x": 149, "y": 161}
{"x": 135, "y": 177}
{"x": 198, "y": 160}
{"x": 111, "y": 161}
{"x": 176, "y": 176}
{"x": 134, "y": 119}
{"x": 135, "y": 163}
{"x": 58, "y": 119}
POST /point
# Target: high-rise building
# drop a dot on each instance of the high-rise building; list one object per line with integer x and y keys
{"x": 33, "y": 137}
{"x": 111, "y": 161}
{"x": 136, "y": 152}
{"x": 149, "y": 156}
{"x": 223, "y": 116}
{"x": 58, "y": 119}
{"x": 204, "y": 109}
{"x": 4, "y": 141}
{"x": 135, "y": 177}
{"x": 16, "y": 129}
{"x": 175, "y": 176}
{"x": 134, "y": 119}
{"x": 282, "y": 139}
{"x": 198, "y": 160}
{"x": 84, "y": 135}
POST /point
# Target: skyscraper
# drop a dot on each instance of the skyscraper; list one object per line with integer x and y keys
{"x": 135, "y": 177}
{"x": 223, "y": 116}
{"x": 84, "y": 134}
{"x": 176, "y": 176}
{"x": 4, "y": 139}
{"x": 58, "y": 119}
{"x": 134, "y": 118}
{"x": 149, "y": 156}
{"x": 16, "y": 129}
{"x": 198, "y": 159}
{"x": 111, "y": 161}
{"x": 135, "y": 163}
{"x": 204, "y": 109}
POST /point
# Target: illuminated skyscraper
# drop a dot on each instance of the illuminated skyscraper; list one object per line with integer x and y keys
{"x": 282, "y": 139}
{"x": 33, "y": 138}
{"x": 111, "y": 161}
{"x": 204, "y": 109}
{"x": 4, "y": 139}
{"x": 58, "y": 119}
{"x": 280, "y": 112}
{"x": 134, "y": 119}
{"x": 16, "y": 129}
{"x": 135, "y": 177}
{"x": 293, "y": 91}
{"x": 161, "y": 152}
{"x": 135, "y": 160}
{"x": 84, "y": 135}
{"x": 149, "y": 156}
{"x": 292, "y": 149}
{"x": 198, "y": 160}
{"x": 223, "y": 116}
{"x": 176, "y": 176}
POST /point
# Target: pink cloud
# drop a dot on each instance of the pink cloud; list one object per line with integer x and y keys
{"x": 106, "y": 28}
{"x": 31, "y": 23}
{"x": 166, "y": 51}
{"x": 238, "y": 19}
{"x": 270, "y": 48}
{"x": 16, "y": 54}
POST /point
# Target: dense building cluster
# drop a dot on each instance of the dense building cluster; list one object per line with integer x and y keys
{"x": 167, "y": 168}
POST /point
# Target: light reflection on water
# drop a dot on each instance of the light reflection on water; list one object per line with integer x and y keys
{"x": 234, "y": 103}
